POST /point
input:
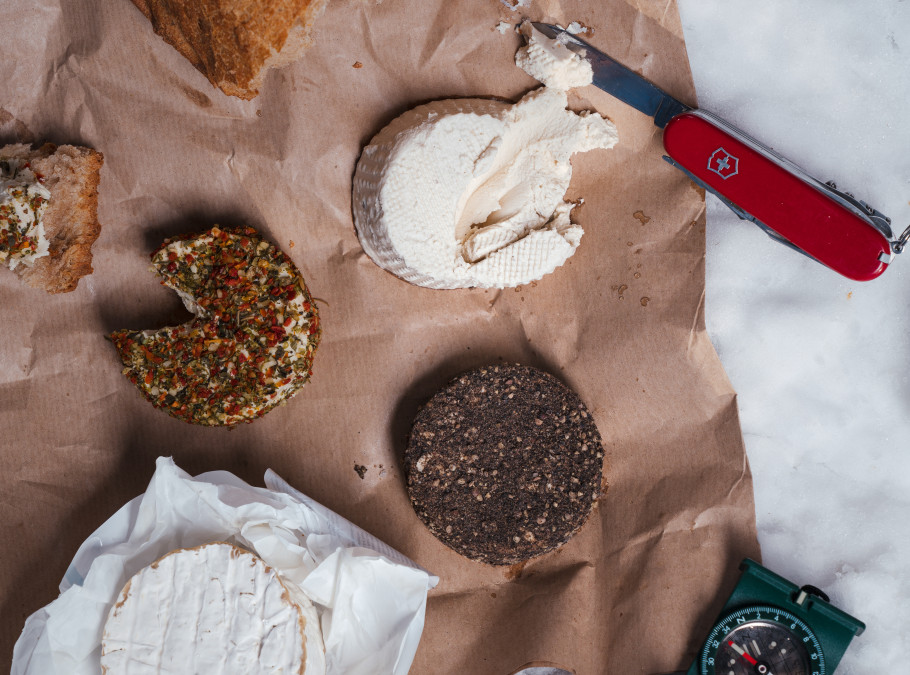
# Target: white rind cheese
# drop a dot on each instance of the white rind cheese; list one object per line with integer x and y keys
{"x": 212, "y": 610}
{"x": 469, "y": 192}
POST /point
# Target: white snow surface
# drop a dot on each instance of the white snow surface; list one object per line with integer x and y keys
{"x": 821, "y": 363}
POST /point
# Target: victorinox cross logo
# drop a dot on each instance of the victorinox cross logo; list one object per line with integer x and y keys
{"x": 723, "y": 163}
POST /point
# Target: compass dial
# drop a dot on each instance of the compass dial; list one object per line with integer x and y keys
{"x": 762, "y": 641}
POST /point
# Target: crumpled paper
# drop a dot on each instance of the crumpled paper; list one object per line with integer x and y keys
{"x": 621, "y": 323}
{"x": 370, "y": 598}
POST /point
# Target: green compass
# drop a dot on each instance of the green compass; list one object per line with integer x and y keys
{"x": 762, "y": 639}
{"x": 770, "y": 626}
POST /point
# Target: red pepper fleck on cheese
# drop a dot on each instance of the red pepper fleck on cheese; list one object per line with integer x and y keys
{"x": 250, "y": 346}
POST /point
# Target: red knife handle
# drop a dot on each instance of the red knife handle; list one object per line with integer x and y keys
{"x": 778, "y": 194}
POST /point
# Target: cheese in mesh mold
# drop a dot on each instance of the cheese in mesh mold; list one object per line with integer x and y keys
{"x": 469, "y": 192}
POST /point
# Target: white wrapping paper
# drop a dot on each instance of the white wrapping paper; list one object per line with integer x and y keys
{"x": 371, "y": 599}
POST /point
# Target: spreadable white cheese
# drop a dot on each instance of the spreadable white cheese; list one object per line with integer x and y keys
{"x": 213, "y": 610}
{"x": 551, "y": 62}
{"x": 23, "y": 200}
{"x": 469, "y": 192}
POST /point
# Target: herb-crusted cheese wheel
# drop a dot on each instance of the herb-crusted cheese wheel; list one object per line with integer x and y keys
{"x": 213, "y": 610}
{"x": 504, "y": 463}
{"x": 251, "y": 344}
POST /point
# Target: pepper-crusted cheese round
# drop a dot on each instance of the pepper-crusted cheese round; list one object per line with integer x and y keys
{"x": 213, "y": 610}
{"x": 251, "y": 344}
{"x": 504, "y": 464}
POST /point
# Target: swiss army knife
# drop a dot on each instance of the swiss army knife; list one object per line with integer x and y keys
{"x": 814, "y": 217}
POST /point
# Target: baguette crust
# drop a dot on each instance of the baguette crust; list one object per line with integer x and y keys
{"x": 71, "y": 220}
{"x": 234, "y": 42}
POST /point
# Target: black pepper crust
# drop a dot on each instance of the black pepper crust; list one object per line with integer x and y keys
{"x": 504, "y": 464}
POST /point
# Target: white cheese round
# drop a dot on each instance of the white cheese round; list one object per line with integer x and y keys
{"x": 214, "y": 610}
{"x": 469, "y": 192}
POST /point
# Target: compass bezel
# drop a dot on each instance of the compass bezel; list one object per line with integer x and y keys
{"x": 764, "y": 614}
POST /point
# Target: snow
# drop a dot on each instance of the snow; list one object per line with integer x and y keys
{"x": 821, "y": 364}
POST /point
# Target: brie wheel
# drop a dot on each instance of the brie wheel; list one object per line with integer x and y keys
{"x": 214, "y": 610}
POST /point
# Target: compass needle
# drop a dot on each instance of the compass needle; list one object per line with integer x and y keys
{"x": 742, "y": 652}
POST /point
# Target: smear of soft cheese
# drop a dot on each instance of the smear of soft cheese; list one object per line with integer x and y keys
{"x": 469, "y": 192}
{"x": 22, "y": 203}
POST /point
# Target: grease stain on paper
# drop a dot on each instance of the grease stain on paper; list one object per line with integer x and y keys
{"x": 515, "y": 571}
{"x": 20, "y": 130}
{"x": 641, "y": 217}
{"x": 195, "y": 96}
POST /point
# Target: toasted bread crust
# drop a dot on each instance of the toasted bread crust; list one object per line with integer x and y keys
{"x": 71, "y": 221}
{"x": 234, "y": 42}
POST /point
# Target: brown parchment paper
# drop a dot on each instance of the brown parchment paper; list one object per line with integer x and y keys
{"x": 622, "y": 322}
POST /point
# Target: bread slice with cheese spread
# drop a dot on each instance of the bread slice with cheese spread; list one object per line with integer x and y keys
{"x": 234, "y": 42}
{"x": 70, "y": 217}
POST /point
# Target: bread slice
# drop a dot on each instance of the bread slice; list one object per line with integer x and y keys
{"x": 71, "y": 174}
{"x": 234, "y": 42}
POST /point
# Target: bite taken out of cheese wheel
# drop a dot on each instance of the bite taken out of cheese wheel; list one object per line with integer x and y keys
{"x": 211, "y": 610}
{"x": 250, "y": 346}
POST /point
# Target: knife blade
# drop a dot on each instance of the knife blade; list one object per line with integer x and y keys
{"x": 758, "y": 184}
